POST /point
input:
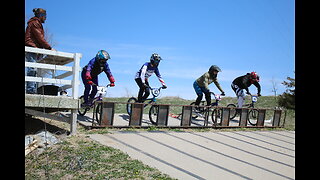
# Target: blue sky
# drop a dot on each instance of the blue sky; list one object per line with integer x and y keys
{"x": 239, "y": 36}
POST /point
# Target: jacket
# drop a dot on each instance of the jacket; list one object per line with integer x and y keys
{"x": 243, "y": 82}
{"x": 206, "y": 79}
{"x": 95, "y": 68}
{"x": 34, "y": 35}
{"x": 146, "y": 71}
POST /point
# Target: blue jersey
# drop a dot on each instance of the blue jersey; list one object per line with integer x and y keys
{"x": 96, "y": 68}
{"x": 146, "y": 71}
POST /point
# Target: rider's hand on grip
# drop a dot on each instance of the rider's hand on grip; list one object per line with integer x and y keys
{"x": 90, "y": 82}
{"x": 112, "y": 84}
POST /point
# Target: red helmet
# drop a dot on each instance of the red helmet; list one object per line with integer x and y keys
{"x": 255, "y": 76}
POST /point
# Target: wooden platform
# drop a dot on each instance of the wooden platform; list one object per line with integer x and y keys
{"x": 37, "y": 101}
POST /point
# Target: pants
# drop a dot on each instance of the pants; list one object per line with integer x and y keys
{"x": 31, "y": 87}
{"x": 240, "y": 94}
{"x": 87, "y": 87}
{"x": 199, "y": 91}
{"x": 142, "y": 97}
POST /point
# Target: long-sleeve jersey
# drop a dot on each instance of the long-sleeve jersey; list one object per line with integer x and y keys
{"x": 206, "y": 79}
{"x": 146, "y": 71}
{"x": 95, "y": 68}
{"x": 243, "y": 82}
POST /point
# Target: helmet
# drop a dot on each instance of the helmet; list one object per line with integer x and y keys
{"x": 214, "y": 68}
{"x": 155, "y": 59}
{"x": 255, "y": 76}
{"x": 102, "y": 56}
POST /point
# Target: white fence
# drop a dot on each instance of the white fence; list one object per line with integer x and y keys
{"x": 56, "y": 61}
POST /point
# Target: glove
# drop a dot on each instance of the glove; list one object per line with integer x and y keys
{"x": 111, "y": 79}
{"x": 259, "y": 94}
{"x": 164, "y": 86}
{"x": 90, "y": 82}
{"x": 223, "y": 94}
{"x": 88, "y": 75}
{"x": 112, "y": 84}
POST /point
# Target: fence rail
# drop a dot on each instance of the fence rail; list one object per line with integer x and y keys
{"x": 107, "y": 117}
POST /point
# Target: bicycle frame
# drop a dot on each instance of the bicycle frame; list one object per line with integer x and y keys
{"x": 155, "y": 93}
{"x": 253, "y": 100}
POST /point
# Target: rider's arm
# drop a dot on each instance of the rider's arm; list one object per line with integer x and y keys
{"x": 108, "y": 73}
{"x": 258, "y": 86}
{"x": 159, "y": 77}
{"x": 143, "y": 73}
{"x": 218, "y": 85}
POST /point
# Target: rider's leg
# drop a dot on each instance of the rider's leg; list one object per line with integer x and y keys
{"x": 87, "y": 87}
{"x": 141, "y": 90}
{"x": 208, "y": 98}
{"x": 198, "y": 91}
{"x": 146, "y": 92}
{"x": 241, "y": 98}
{"x": 94, "y": 88}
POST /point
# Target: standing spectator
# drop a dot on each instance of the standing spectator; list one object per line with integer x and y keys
{"x": 34, "y": 37}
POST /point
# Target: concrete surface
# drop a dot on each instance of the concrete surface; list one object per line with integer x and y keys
{"x": 210, "y": 155}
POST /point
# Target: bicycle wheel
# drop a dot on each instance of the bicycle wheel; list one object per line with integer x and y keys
{"x": 216, "y": 116}
{"x": 233, "y": 111}
{"x": 82, "y": 110}
{"x": 131, "y": 100}
{"x": 153, "y": 113}
{"x": 253, "y": 117}
{"x": 200, "y": 110}
{"x": 98, "y": 113}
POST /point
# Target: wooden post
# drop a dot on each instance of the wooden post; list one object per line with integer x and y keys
{"x": 244, "y": 117}
{"x": 76, "y": 75}
{"x": 225, "y": 117}
{"x": 136, "y": 114}
{"x": 73, "y": 122}
{"x": 186, "y": 116}
{"x": 261, "y": 117}
{"x": 276, "y": 118}
{"x": 163, "y": 112}
{"x": 107, "y": 114}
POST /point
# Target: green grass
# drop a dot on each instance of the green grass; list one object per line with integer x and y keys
{"x": 79, "y": 157}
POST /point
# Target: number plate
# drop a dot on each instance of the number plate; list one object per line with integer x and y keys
{"x": 254, "y": 99}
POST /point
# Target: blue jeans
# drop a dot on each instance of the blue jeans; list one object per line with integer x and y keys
{"x": 30, "y": 71}
{"x": 200, "y": 90}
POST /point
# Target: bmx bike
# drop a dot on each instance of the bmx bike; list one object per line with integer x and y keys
{"x": 202, "y": 110}
{"x": 252, "y": 113}
{"x": 82, "y": 109}
{"x": 154, "y": 109}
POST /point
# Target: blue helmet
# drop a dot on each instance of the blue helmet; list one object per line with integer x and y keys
{"x": 103, "y": 55}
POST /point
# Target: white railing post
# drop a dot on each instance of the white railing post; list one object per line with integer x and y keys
{"x": 76, "y": 75}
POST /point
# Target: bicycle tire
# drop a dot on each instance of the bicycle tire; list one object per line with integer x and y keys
{"x": 233, "y": 111}
{"x": 253, "y": 117}
{"x": 82, "y": 111}
{"x": 98, "y": 113}
{"x": 130, "y": 100}
{"x": 216, "y": 116}
{"x": 153, "y": 113}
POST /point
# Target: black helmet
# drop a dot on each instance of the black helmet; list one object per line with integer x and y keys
{"x": 214, "y": 68}
{"x": 155, "y": 59}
